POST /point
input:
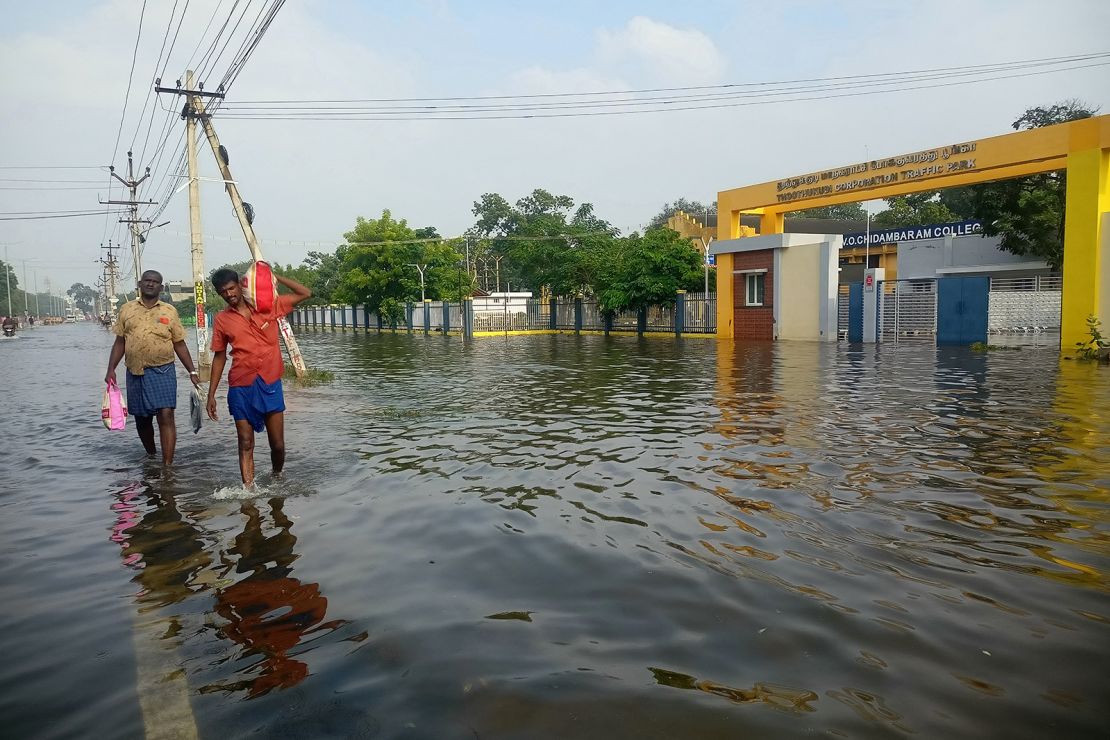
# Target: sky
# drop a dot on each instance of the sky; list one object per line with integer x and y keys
{"x": 65, "y": 65}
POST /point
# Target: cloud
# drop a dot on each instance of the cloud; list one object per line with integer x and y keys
{"x": 670, "y": 54}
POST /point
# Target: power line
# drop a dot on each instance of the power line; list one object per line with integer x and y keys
{"x": 215, "y": 41}
{"x": 130, "y": 76}
{"x": 204, "y": 33}
{"x": 245, "y": 51}
{"x": 805, "y": 80}
{"x": 48, "y": 188}
{"x": 52, "y": 167}
{"x": 316, "y": 115}
{"x": 41, "y": 218}
{"x": 154, "y": 77}
{"x": 619, "y": 102}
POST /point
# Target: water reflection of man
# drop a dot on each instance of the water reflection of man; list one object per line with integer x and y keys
{"x": 162, "y": 543}
{"x": 269, "y": 612}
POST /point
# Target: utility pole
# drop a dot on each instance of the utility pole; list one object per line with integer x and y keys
{"x": 133, "y": 185}
{"x": 705, "y": 258}
{"x": 8, "y": 281}
{"x": 196, "y": 238}
{"x": 111, "y": 274}
{"x": 194, "y": 108}
{"x": 26, "y": 312}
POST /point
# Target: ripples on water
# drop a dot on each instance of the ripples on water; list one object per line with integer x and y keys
{"x": 569, "y": 537}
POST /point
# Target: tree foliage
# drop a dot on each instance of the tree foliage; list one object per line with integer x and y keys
{"x": 914, "y": 209}
{"x": 11, "y": 289}
{"x": 695, "y": 208}
{"x": 840, "y": 212}
{"x": 542, "y": 240}
{"x": 640, "y": 271}
{"x": 377, "y": 267}
{"x": 83, "y": 296}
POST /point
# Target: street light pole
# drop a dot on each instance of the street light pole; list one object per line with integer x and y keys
{"x": 420, "y": 268}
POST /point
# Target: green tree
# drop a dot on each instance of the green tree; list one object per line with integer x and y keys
{"x": 11, "y": 289}
{"x": 541, "y": 240}
{"x": 914, "y": 209}
{"x": 841, "y": 212}
{"x": 83, "y": 296}
{"x": 1027, "y": 212}
{"x": 377, "y": 269}
{"x": 639, "y": 271}
{"x": 695, "y": 208}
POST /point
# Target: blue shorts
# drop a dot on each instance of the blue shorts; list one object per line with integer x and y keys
{"x": 155, "y": 389}
{"x": 252, "y": 402}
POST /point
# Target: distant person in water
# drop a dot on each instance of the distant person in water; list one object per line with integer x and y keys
{"x": 148, "y": 335}
{"x": 254, "y": 396}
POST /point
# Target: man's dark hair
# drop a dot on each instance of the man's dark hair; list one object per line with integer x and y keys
{"x": 222, "y": 277}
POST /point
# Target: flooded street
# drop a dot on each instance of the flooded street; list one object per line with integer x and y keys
{"x": 567, "y": 537}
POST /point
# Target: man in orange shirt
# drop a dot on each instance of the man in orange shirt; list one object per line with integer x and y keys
{"x": 254, "y": 396}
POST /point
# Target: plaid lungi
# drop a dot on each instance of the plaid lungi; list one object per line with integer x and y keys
{"x": 155, "y": 389}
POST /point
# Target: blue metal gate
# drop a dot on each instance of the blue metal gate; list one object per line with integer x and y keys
{"x": 962, "y": 309}
{"x": 855, "y": 312}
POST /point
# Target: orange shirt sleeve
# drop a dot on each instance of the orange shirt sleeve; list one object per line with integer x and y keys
{"x": 219, "y": 339}
{"x": 283, "y": 306}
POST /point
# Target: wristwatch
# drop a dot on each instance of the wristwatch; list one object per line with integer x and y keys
{"x": 194, "y": 372}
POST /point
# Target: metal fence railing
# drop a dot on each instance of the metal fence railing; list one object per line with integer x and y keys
{"x": 1032, "y": 283}
{"x": 693, "y": 313}
{"x": 908, "y": 310}
{"x": 842, "y": 311}
{"x": 1026, "y": 305}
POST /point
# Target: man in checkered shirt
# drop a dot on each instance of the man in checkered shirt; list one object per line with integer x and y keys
{"x": 148, "y": 335}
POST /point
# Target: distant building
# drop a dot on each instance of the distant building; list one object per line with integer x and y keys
{"x": 701, "y": 230}
{"x": 502, "y": 302}
{"x": 179, "y": 290}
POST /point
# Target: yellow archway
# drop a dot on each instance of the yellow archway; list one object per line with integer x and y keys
{"x": 1080, "y": 147}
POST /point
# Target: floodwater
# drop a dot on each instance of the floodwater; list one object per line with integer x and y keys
{"x": 567, "y": 537}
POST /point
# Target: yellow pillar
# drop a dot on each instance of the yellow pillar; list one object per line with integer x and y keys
{"x": 1086, "y": 261}
{"x": 771, "y": 223}
{"x": 724, "y": 296}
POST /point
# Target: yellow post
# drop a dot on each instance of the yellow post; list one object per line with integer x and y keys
{"x": 724, "y": 296}
{"x": 1086, "y": 263}
{"x": 772, "y": 223}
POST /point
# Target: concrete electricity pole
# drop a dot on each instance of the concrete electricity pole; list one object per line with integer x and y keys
{"x": 26, "y": 312}
{"x": 132, "y": 184}
{"x": 7, "y": 282}
{"x": 111, "y": 274}
{"x": 196, "y": 237}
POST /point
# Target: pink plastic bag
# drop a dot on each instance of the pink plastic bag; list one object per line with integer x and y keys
{"x": 113, "y": 409}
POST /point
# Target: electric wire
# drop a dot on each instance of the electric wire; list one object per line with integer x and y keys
{"x": 52, "y": 167}
{"x": 1072, "y": 57}
{"x": 471, "y": 115}
{"x": 130, "y": 77}
{"x": 202, "y": 73}
{"x": 204, "y": 33}
{"x": 169, "y": 54}
{"x": 150, "y": 93}
{"x": 652, "y": 100}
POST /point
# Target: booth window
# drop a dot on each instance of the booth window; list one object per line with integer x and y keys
{"x": 754, "y": 289}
